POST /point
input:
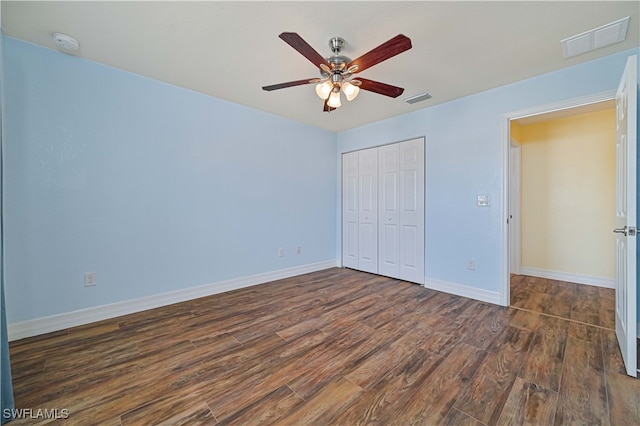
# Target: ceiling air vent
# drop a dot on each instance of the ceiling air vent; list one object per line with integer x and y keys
{"x": 418, "y": 98}
{"x": 612, "y": 33}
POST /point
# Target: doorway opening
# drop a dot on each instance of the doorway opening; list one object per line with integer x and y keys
{"x": 625, "y": 281}
{"x": 562, "y": 211}
{"x": 512, "y": 164}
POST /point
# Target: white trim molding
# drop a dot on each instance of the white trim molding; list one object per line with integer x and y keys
{"x": 464, "y": 291}
{"x": 569, "y": 277}
{"x": 34, "y": 327}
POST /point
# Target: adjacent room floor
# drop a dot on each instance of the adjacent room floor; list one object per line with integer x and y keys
{"x": 576, "y": 302}
{"x": 338, "y": 347}
{"x": 580, "y": 303}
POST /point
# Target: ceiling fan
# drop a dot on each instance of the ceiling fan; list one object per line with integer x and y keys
{"x": 337, "y": 71}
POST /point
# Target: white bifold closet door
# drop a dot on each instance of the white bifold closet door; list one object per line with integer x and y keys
{"x": 350, "y": 210}
{"x": 389, "y": 210}
{"x": 383, "y": 210}
{"x": 412, "y": 211}
{"x": 368, "y": 210}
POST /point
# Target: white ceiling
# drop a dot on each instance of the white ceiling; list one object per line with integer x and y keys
{"x": 231, "y": 49}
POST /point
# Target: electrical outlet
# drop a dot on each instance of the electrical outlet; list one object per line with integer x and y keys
{"x": 90, "y": 279}
{"x": 280, "y": 252}
{"x": 471, "y": 264}
{"x": 298, "y": 250}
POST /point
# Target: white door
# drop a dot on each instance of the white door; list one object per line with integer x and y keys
{"x": 368, "y": 210}
{"x": 388, "y": 212}
{"x": 411, "y": 198}
{"x": 350, "y": 210}
{"x": 626, "y": 163}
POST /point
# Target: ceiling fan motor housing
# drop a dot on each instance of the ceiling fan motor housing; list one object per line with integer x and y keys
{"x": 338, "y": 62}
{"x": 338, "y": 66}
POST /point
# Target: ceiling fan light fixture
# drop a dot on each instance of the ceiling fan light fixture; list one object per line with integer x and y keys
{"x": 323, "y": 90}
{"x": 334, "y": 100}
{"x": 350, "y": 90}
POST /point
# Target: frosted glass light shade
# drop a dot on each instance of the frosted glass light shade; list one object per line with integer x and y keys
{"x": 323, "y": 90}
{"x": 334, "y": 100}
{"x": 350, "y": 90}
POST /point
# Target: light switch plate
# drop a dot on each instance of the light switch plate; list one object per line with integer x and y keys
{"x": 483, "y": 201}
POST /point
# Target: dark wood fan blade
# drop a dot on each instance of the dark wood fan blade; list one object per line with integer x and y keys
{"x": 327, "y": 108}
{"x": 381, "y": 88}
{"x": 295, "y": 41}
{"x": 386, "y": 50}
{"x": 289, "y": 84}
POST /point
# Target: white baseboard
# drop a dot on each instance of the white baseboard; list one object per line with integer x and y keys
{"x": 569, "y": 277}
{"x": 34, "y": 327}
{"x": 463, "y": 290}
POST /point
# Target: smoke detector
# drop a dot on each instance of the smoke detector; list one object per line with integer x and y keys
{"x": 66, "y": 42}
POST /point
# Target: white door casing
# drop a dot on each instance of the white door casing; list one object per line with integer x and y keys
{"x": 514, "y": 208}
{"x": 626, "y": 166}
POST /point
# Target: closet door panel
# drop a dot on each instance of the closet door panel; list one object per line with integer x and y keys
{"x": 410, "y": 247}
{"x": 388, "y": 213}
{"x": 350, "y": 210}
{"x": 412, "y": 211}
{"x": 368, "y": 210}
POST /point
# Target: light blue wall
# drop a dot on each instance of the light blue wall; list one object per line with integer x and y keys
{"x": 154, "y": 187}
{"x": 157, "y": 188}
{"x": 464, "y": 159}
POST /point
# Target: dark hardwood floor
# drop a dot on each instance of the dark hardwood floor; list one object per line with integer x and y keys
{"x": 575, "y": 302}
{"x": 336, "y": 347}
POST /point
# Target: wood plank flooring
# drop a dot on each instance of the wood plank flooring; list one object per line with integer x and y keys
{"x": 337, "y": 347}
{"x": 576, "y": 302}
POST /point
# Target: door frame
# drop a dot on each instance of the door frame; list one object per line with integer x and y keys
{"x": 515, "y": 234}
{"x": 505, "y": 294}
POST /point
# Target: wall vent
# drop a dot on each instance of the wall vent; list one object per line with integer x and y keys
{"x": 612, "y": 33}
{"x": 418, "y": 98}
